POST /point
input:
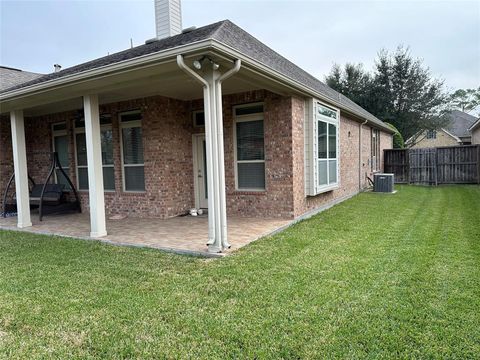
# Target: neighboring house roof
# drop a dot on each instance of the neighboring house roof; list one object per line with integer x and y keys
{"x": 460, "y": 123}
{"x": 475, "y": 125}
{"x": 229, "y": 34}
{"x": 10, "y": 77}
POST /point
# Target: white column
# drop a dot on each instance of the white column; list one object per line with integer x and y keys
{"x": 20, "y": 169}
{"x": 98, "y": 227}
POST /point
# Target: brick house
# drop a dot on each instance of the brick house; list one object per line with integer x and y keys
{"x": 475, "y": 131}
{"x": 202, "y": 118}
{"x": 455, "y": 134}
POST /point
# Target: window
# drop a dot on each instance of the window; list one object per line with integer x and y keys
{"x": 249, "y": 147}
{"x": 132, "y": 151}
{"x": 321, "y": 147}
{"x": 375, "y": 149}
{"x": 199, "y": 118}
{"x": 60, "y": 146}
{"x": 431, "y": 134}
{"x": 107, "y": 153}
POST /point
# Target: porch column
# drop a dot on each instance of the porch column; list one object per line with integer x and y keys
{"x": 98, "y": 227}
{"x": 211, "y": 80}
{"x": 20, "y": 169}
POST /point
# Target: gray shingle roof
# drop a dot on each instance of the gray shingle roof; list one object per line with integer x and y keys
{"x": 231, "y": 35}
{"x": 10, "y": 77}
{"x": 460, "y": 123}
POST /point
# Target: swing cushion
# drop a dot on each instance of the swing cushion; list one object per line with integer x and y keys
{"x": 53, "y": 194}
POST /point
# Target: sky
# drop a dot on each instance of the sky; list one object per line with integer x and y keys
{"x": 314, "y": 34}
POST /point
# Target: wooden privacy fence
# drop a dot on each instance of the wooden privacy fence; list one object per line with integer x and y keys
{"x": 433, "y": 166}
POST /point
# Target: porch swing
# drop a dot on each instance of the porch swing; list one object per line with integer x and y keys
{"x": 50, "y": 198}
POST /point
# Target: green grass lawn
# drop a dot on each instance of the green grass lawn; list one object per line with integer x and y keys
{"x": 378, "y": 276}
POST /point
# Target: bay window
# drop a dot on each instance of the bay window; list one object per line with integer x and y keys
{"x": 322, "y": 148}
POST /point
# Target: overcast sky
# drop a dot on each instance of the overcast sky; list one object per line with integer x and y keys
{"x": 314, "y": 34}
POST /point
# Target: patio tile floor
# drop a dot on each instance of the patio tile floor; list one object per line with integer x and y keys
{"x": 185, "y": 234}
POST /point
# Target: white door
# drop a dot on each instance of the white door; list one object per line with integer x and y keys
{"x": 200, "y": 171}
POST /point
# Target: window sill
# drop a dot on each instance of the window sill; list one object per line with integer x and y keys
{"x": 327, "y": 189}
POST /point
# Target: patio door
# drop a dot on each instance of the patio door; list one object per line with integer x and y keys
{"x": 200, "y": 171}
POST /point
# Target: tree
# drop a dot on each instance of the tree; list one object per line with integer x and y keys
{"x": 352, "y": 81}
{"x": 400, "y": 90}
{"x": 466, "y": 100}
{"x": 398, "y": 142}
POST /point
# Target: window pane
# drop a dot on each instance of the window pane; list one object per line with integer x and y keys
{"x": 59, "y": 127}
{"x": 83, "y": 179}
{"x": 250, "y": 141}
{"x": 322, "y": 172}
{"x": 131, "y": 117}
{"x": 332, "y": 141}
{"x": 322, "y": 140}
{"x": 108, "y": 178}
{"x": 107, "y": 147}
{"x": 81, "y": 150}
{"x": 325, "y": 111}
{"x": 332, "y": 176}
{"x": 61, "y": 147}
{"x": 132, "y": 145}
{"x": 134, "y": 178}
{"x": 251, "y": 175}
{"x": 248, "y": 110}
{"x": 199, "y": 119}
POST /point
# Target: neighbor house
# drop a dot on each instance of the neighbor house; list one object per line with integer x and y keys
{"x": 197, "y": 118}
{"x": 475, "y": 132}
{"x": 456, "y": 133}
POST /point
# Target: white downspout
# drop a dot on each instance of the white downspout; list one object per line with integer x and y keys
{"x": 221, "y": 161}
{"x": 217, "y": 217}
{"x": 360, "y": 155}
{"x": 209, "y": 146}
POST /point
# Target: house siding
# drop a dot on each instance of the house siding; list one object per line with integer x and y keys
{"x": 442, "y": 139}
{"x": 476, "y": 136}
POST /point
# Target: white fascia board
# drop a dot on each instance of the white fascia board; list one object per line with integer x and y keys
{"x": 450, "y": 134}
{"x": 118, "y": 67}
{"x": 475, "y": 125}
{"x": 256, "y": 66}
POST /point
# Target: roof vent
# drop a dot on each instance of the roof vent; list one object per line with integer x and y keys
{"x": 57, "y": 67}
{"x": 189, "y": 29}
{"x": 150, "y": 41}
{"x": 168, "y": 18}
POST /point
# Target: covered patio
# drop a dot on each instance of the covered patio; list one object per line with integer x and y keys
{"x": 183, "y": 234}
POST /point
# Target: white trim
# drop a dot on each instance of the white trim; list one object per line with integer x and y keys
{"x": 474, "y": 125}
{"x": 248, "y": 118}
{"x": 165, "y": 56}
{"x": 196, "y": 167}
{"x": 194, "y": 118}
{"x": 127, "y": 125}
{"x": 312, "y": 186}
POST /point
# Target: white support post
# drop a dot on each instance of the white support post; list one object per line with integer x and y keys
{"x": 20, "y": 169}
{"x": 98, "y": 227}
{"x": 211, "y": 80}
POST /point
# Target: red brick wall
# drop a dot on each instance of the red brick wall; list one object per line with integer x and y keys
{"x": 6, "y": 155}
{"x": 167, "y": 131}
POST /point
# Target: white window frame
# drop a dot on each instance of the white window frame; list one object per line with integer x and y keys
{"x": 58, "y": 133}
{"x": 127, "y": 125}
{"x": 312, "y": 188}
{"x": 375, "y": 149}
{"x": 248, "y": 118}
{"x": 431, "y": 134}
{"x": 82, "y": 131}
{"x": 194, "y": 119}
